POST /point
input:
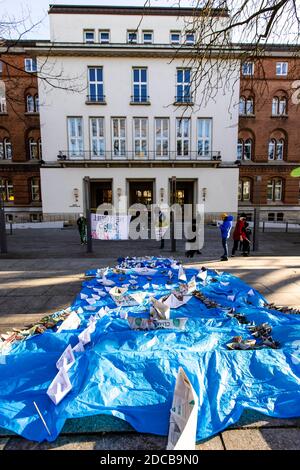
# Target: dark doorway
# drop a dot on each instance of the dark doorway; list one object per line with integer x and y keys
{"x": 185, "y": 192}
{"x": 141, "y": 192}
{"x": 101, "y": 193}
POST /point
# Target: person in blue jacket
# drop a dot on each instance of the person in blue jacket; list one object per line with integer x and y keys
{"x": 225, "y": 228}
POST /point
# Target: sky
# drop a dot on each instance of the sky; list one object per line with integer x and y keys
{"x": 35, "y": 11}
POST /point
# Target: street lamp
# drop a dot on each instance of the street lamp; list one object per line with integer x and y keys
{"x": 3, "y": 243}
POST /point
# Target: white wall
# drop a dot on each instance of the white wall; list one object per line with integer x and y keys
{"x": 58, "y": 103}
{"x": 58, "y": 185}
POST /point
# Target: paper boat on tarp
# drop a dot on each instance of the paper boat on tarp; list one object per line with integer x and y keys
{"x": 145, "y": 271}
{"x": 173, "y": 301}
{"x": 71, "y": 323}
{"x": 67, "y": 359}
{"x": 184, "y": 415}
{"x": 85, "y": 336}
{"x": 123, "y": 298}
{"x": 106, "y": 282}
{"x": 79, "y": 347}
{"x": 159, "y": 310}
{"x": 181, "y": 274}
{"x": 59, "y": 387}
{"x": 202, "y": 275}
{"x": 137, "y": 323}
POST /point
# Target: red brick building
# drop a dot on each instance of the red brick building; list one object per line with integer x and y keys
{"x": 269, "y": 134}
{"x": 20, "y": 141}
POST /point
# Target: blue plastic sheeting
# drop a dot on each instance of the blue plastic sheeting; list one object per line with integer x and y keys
{"x": 131, "y": 374}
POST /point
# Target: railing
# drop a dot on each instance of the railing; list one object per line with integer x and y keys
{"x": 140, "y": 99}
{"x": 65, "y": 155}
{"x": 95, "y": 98}
{"x": 183, "y": 99}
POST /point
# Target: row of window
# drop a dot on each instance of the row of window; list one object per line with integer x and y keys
{"x": 140, "y": 136}
{"x": 276, "y": 149}
{"x": 279, "y": 106}
{"x": 7, "y": 189}
{"x": 34, "y": 148}
{"x": 274, "y": 190}
{"x": 135, "y": 37}
{"x": 139, "y": 85}
{"x": 281, "y": 69}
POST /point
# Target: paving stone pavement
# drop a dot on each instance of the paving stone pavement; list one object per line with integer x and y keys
{"x": 44, "y": 273}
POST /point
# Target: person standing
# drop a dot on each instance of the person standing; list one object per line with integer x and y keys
{"x": 82, "y": 228}
{"x": 238, "y": 233}
{"x": 246, "y": 239}
{"x": 225, "y": 228}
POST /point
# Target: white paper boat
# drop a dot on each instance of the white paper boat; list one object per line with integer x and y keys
{"x": 102, "y": 312}
{"x": 145, "y": 271}
{"x": 231, "y": 297}
{"x": 202, "y": 275}
{"x": 175, "y": 266}
{"x": 146, "y": 286}
{"x": 191, "y": 285}
{"x": 224, "y": 283}
{"x": 80, "y": 310}
{"x": 251, "y": 292}
{"x": 66, "y": 360}
{"x": 96, "y": 297}
{"x": 79, "y": 347}
{"x": 59, "y": 387}
{"x": 84, "y": 296}
{"x": 91, "y": 301}
{"x": 85, "y": 336}
{"x": 181, "y": 274}
{"x": 159, "y": 310}
{"x": 170, "y": 274}
{"x": 106, "y": 282}
{"x": 90, "y": 308}
{"x": 71, "y": 323}
{"x": 173, "y": 302}
{"x": 184, "y": 415}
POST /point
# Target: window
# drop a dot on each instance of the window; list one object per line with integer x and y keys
{"x": 161, "y": 137}
{"x": 204, "y": 137}
{"x": 183, "y": 137}
{"x": 190, "y": 38}
{"x": 140, "y": 136}
{"x": 183, "y": 86}
{"x": 30, "y": 65}
{"x": 104, "y": 37}
{"x": 147, "y": 37}
{"x": 244, "y": 190}
{"x": 132, "y": 37}
{"x": 119, "y": 136}
{"x": 280, "y": 216}
{"x": 35, "y": 189}
{"x": 276, "y": 149}
{"x": 175, "y": 37}
{"x": 244, "y": 149}
{"x": 36, "y": 217}
{"x": 247, "y": 68}
{"x": 7, "y": 190}
{"x": 97, "y": 136}
{"x": 75, "y": 136}
{"x": 271, "y": 216}
{"x": 279, "y": 106}
{"x": 33, "y": 149}
{"x": 95, "y": 77}
{"x": 246, "y": 106}
{"x": 9, "y": 218}
{"x": 89, "y": 36}
{"x": 281, "y": 68}
{"x": 140, "y": 86}
{"x": 2, "y": 97}
{"x": 37, "y": 104}
{"x": 274, "y": 189}
{"x": 40, "y": 148}
{"x": 5, "y": 149}
{"x": 30, "y": 104}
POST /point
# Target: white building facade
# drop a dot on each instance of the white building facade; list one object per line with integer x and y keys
{"x": 125, "y": 113}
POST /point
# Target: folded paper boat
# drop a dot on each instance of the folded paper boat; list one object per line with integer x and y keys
{"x": 59, "y": 387}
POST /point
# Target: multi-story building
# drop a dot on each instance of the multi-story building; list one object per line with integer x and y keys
{"x": 20, "y": 139}
{"x": 126, "y": 116}
{"x": 268, "y": 141}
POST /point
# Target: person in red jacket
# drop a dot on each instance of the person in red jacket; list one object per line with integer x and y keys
{"x": 238, "y": 233}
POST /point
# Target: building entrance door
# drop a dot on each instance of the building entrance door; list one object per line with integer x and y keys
{"x": 101, "y": 193}
{"x": 141, "y": 192}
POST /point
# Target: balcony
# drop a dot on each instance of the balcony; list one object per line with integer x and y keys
{"x": 180, "y": 100}
{"x": 140, "y": 99}
{"x": 95, "y": 99}
{"x": 110, "y": 156}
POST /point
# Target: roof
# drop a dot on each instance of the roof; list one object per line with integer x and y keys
{"x": 131, "y": 10}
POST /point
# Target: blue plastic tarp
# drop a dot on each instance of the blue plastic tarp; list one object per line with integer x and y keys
{"x": 131, "y": 374}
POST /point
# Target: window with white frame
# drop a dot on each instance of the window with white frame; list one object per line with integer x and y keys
{"x": 30, "y": 108}
{"x": 190, "y": 38}
{"x": 132, "y": 37}
{"x": 140, "y": 136}
{"x": 183, "y": 137}
{"x": 6, "y": 149}
{"x": 35, "y": 189}
{"x": 183, "y": 86}
{"x": 33, "y": 149}
{"x": 148, "y": 37}
{"x": 37, "y": 104}
{"x": 175, "y": 37}
{"x": 2, "y": 97}
{"x": 276, "y": 149}
{"x": 7, "y": 190}
{"x": 95, "y": 78}
{"x": 247, "y": 69}
{"x": 244, "y": 149}
{"x": 119, "y": 136}
{"x": 104, "y": 36}
{"x": 281, "y": 69}
{"x": 30, "y": 65}
{"x": 140, "y": 85}
{"x": 75, "y": 136}
{"x": 244, "y": 190}
{"x": 279, "y": 106}
{"x": 204, "y": 137}
{"x": 161, "y": 137}
{"x": 275, "y": 189}
{"x": 246, "y": 106}
{"x": 89, "y": 36}
{"x": 97, "y": 136}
